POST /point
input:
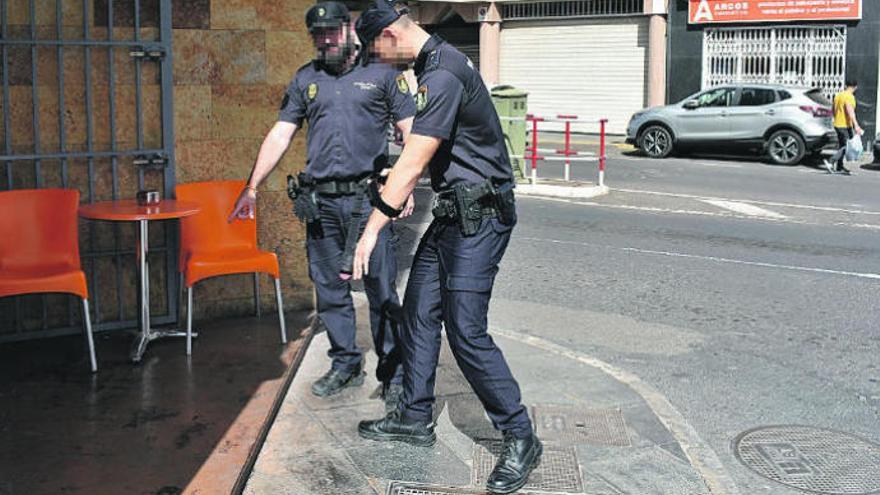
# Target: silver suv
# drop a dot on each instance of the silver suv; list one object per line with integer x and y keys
{"x": 783, "y": 122}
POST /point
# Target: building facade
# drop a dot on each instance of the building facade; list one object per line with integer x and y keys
{"x": 816, "y": 43}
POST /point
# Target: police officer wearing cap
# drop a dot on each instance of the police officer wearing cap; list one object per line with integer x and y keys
{"x": 457, "y": 135}
{"x": 348, "y": 107}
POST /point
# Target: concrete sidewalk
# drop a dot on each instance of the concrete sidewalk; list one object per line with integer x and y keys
{"x": 600, "y": 436}
{"x": 557, "y": 188}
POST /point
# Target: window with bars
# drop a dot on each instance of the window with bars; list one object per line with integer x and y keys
{"x": 811, "y": 56}
{"x": 571, "y": 9}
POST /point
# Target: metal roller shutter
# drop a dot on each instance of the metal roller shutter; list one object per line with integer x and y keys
{"x": 592, "y": 68}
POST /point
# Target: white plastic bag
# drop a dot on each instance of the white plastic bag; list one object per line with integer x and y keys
{"x": 854, "y": 148}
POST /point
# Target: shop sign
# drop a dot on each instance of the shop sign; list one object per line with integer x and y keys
{"x": 724, "y": 11}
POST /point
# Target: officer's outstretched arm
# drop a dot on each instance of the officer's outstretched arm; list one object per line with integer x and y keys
{"x": 271, "y": 151}
{"x": 416, "y": 155}
{"x": 404, "y": 126}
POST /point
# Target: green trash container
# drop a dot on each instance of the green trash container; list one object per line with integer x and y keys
{"x": 512, "y": 107}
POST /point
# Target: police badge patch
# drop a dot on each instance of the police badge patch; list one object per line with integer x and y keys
{"x": 312, "y": 91}
{"x": 421, "y": 98}
{"x": 402, "y": 84}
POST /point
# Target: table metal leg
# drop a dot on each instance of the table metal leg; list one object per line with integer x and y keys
{"x": 147, "y": 333}
{"x": 140, "y": 344}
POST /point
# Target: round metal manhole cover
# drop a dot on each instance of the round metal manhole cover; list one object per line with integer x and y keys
{"x": 812, "y": 459}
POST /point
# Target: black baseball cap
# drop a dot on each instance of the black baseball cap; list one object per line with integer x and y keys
{"x": 378, "y": 15}
{"x": 327, "y": 14}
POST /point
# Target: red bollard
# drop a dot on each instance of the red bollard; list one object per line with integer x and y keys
{"x": 567, "y": 151}
{"x": 602, "y": 123}
{"x": 534, "y": 150}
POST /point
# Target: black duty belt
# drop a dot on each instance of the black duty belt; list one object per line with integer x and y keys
{"x": 341, "y": 187}
{"x": 445, "y": 207}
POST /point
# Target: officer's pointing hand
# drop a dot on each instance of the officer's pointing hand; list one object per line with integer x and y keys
{"x": 362, "y": 254}
{"x": 245, "y": 206}
{"x": 408, "y": 207}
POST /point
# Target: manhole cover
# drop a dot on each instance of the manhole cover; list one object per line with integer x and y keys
{"x": 573, "y": 425}
{"x": 812, "y": 459}
{"x": 405, "y": 488}
{"x": 559, "y": 470}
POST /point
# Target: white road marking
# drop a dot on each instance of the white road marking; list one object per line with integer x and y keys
{"x": 744, "y": 208}
{"x": 654, "y": 209}
{"x": 698, "y": 164}
{"x": 824, "y": 271}
{"x": 859, "y": 225}
{"x": 757, "y": 202}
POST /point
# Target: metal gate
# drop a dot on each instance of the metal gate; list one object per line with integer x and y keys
{"x": 813, "y": 56}
{"x": 87, "y": 104}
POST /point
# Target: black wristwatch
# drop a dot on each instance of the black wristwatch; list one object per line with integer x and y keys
{"x": 377, "y": 202}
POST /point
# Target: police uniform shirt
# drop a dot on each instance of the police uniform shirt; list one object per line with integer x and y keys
{"x": 453, "y": 104}
{"x": 348, "y": 117}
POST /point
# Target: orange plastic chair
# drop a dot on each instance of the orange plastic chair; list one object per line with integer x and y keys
{"x": 211, "y": 246}
{"x": 39, "y": 248}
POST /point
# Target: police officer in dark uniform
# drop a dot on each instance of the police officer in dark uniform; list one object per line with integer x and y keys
{"x": 348, "y": 107}
{"x": 457, "y": 135}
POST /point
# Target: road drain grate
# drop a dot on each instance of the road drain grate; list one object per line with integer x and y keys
{"x": 559, "y": 470}
{"x": 572, "y": 425}
{"x": 812, "y": 459}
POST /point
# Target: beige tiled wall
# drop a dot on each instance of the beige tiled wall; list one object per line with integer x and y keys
{"x": 229, "y": 82}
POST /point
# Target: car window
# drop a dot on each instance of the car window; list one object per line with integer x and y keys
{"x": 784, "y": 95}
{"x": 755, "y": 97}
{"x": 817, "y": 96}
{"x": 721, "y": 97}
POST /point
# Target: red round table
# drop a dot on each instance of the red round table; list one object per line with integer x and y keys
{"x": 130, "y": 211}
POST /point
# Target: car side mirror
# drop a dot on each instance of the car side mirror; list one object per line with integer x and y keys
{"x": 691, "y": 105}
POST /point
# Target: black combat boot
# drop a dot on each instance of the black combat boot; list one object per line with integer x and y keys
{"x": 519, "y": 456}
{"x": 392, "y": 428}
{"x": 334, "y": 381}
{"x": 391, "y": 394}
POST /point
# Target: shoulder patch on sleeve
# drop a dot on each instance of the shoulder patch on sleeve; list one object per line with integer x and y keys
{"x": 402, "y": 85}
{"x": 421, "y": 98}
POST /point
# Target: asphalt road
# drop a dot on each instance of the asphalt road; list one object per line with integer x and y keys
{"x": 744, "y": 292}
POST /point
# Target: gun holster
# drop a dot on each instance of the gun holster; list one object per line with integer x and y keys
{"x": 301, "y": 191}
{"x": 468, "y": 206}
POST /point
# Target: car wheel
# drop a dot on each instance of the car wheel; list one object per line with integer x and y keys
{"x": 656, "y": 141}
{"x": 786, "y": 147}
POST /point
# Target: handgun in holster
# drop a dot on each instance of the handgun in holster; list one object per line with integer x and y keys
{"x": 301, "y": 190}
{"x": 469, "y": 206}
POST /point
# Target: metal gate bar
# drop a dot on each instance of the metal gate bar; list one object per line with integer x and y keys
{"x": 143, "y": 158}
{"x": 62, "y": 139}
{"x": 90, "y": 147}
{"x": 35, "y": 98}
{"x": 114, "y": 160}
